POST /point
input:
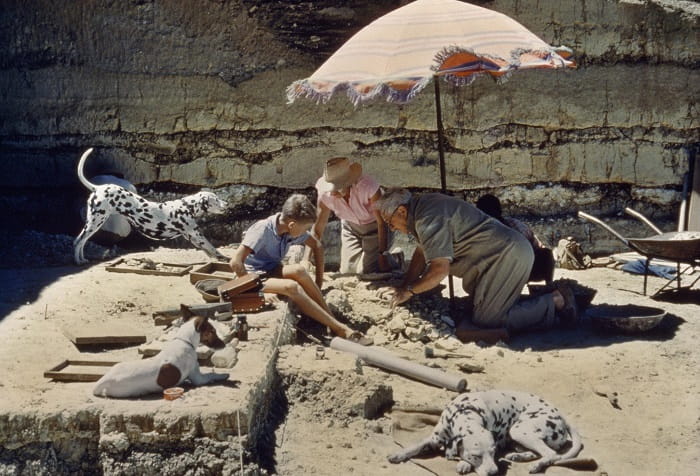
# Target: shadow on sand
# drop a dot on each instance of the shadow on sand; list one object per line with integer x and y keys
{"x": 23, "y": 286}
{"x": 587, "y": 335}
{"x": 679, "y": 296}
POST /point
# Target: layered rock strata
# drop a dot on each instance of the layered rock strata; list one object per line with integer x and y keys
{"x": 182, "y": 95}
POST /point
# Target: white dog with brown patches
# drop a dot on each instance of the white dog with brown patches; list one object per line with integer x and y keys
{"x": 173, "y": 365}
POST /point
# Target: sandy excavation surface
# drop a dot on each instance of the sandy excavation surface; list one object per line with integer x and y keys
{"x": 648, "y": 426}
{"x": 651, "y": 429}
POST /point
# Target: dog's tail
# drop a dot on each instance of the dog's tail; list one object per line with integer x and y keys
{"x": 81, "y": 176}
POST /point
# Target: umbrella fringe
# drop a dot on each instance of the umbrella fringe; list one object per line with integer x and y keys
{"x": 481, "y": 67}
{"x": 405, "y": 96}
{"x": 505, "y": 76}
{"x": 547, "y": 54}
{"x": 302, "y": 88}
{"x": 399, "y": 96}
{"x": 462, "y": 80}
{"x": 357, "y": 97}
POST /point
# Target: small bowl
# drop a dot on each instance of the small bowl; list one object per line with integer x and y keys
{"x": 627, "y": 318}
{"x": 208, "y": 289}
{"x": 173, "y": 393}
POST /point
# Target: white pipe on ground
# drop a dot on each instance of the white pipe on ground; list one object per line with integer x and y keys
{"x": 382, "y": 358}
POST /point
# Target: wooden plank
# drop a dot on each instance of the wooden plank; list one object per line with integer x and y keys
{"x": 103, "y": 333}
{"x": 120, "y": 266}
{"x": 79, "y": 370}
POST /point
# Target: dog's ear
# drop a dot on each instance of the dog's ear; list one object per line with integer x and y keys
{"x": 186, "y": 312}
{"x": 203, "y": 202}
{"x": 200, "y": 322}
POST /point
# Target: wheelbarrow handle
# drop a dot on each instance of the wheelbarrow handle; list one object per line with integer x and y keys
{"x": 641, "y": 217}
{"x": 588, "y": 217}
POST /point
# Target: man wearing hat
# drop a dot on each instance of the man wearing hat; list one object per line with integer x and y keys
{"x": 493, "y": 260}
{"x": 364, "y": 238}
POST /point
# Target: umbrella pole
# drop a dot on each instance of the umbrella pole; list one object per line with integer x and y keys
{"x": 443, "y": 180}
{"x": 441, "y": 134}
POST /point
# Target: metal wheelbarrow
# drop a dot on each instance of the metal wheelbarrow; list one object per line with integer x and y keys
{"x": 680, "y": 247}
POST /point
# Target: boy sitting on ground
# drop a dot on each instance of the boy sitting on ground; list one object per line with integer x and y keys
{"x": 262, "y": 249}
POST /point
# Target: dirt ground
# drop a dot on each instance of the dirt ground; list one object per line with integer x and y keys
{"x": 652, "y": 428}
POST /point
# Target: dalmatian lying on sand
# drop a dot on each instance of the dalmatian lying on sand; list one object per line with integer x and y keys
{"x": 158, "y": 221}
{"x": 475, "y": 425}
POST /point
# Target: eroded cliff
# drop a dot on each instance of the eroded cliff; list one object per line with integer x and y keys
{"x": 187, "y": 94}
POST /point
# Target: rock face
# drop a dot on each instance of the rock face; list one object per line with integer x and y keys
{"x": 186, "y": 94}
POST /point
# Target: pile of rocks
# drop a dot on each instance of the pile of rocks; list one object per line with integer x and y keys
{"x": 366, "y": 304}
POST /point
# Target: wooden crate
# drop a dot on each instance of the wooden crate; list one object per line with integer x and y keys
{"x": 212, "y": 270}
{"x": 79, "y": 370}
{"x": 173, "y": 269}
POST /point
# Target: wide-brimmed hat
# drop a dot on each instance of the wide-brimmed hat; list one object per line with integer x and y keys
{"x": 340, "y": 173}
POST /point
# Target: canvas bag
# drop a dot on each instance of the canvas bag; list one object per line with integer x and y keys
{"x": 570, "y": 255}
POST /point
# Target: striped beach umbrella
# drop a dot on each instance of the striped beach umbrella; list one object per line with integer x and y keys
{"x": 397, "y": 55}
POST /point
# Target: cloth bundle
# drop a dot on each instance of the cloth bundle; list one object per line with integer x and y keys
{"x": 570, "y": 255}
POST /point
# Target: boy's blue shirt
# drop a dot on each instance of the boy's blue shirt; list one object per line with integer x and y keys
{"x": 269, "y": 248}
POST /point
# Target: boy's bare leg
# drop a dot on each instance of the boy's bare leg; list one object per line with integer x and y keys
{"x": 294, "y": 291}
{"x": 299, "y": 274}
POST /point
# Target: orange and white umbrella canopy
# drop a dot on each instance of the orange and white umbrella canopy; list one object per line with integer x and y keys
{"x": 398, "y": 54}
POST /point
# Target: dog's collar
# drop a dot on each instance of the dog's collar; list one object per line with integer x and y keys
{"x": 185, "y": 341}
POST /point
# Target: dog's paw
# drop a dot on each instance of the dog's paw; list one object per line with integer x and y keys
{"x": 538, "y": 467}
{"x": 520, "y": 457}
{"x": 396, "y": 458}
{"x": 463, "y": 467}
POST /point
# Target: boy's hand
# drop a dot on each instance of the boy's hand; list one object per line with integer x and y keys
{"x": 237, "y": 267}
{"x": 238, "y": 259}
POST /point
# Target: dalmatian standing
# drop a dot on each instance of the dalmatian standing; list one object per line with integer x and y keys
{"x": 158, "y": 221}
{"x": 475, "y": 425}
